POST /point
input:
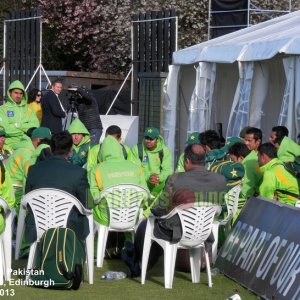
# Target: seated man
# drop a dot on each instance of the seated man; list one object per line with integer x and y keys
{"x": 57, "y": 172}
{"x": 196, "y": 184}
{"x": 278, "y": 183}
{"x": 155, "y": 158}
{"x": 17, "y": 165}
{"x": 192, "y": 139}
{"x": 6, "y": 192}
{"x": 113, "y": 170}
{"x": 94, "y": 154}
{"x": 82, "y": 143}
{"x": 5, "y": 151}
{"x": 287, "y": 149}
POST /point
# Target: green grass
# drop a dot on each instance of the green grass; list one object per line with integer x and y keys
{"x": 127, "y": 288}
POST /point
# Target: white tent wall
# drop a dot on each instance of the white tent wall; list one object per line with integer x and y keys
{"x": 274, "y": 90}
{"x": 262, "y": 48}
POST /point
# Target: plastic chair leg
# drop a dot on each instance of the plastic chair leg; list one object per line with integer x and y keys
{"x": 207, "y": 268}
{"x": 170, "y": 252}
{"x": 2, "y": 263}
{"x": 101, "y": 244}
{"x": 146, "y": 251}
{"x": 215, "y": 231}
{"x": 7, "y": 235}
{"x": 31, "y": 258}
{"x": 90, "y": 251}
{"x": 195, "y": 262}
{"x": 20, "y": 232}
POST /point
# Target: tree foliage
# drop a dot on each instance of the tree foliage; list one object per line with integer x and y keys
{"x": 95, "y": 35}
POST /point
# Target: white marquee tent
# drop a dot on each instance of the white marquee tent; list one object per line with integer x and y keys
{"x": 248, "y": 77}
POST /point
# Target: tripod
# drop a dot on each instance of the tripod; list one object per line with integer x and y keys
{"x": 72, "y": 114}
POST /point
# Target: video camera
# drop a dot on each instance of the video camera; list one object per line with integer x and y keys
{"x": 79, "y": 95}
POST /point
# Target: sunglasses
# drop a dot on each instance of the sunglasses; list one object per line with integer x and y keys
{"x": 39, "y": 95}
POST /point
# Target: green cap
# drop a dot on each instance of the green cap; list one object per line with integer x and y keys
{"x": 2, "y": 131}
{"x": 151, "y": 132}
{"x": 193, "y": 139}
{"x": 232, "y": 171}
{"x": 230, "y": 142}
{"x": 42, "y": 133}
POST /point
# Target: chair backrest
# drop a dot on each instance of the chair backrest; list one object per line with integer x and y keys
{"x": 196, "y": 222}
{"x": 232, "y": 199}
{"x": 51, "y": 208}
{"x": 124, "y": 202}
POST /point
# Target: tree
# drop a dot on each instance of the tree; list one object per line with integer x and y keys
{"x": 95, "y": 35}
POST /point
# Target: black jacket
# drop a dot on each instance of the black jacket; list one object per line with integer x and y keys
{"x": 52, "y": 112}
{"x": 88, "y": 110}
{"x": 57, "y": 172}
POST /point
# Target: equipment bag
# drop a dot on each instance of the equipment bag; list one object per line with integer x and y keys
{"x": 60, "y": 260}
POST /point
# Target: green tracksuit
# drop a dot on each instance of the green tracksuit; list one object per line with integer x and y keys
{"x": 7, "y": 193}
{"x": 151, "y": 164}
{"x": 287, "y": 150}
{"x": 17, "y": 119}
{"x": 113, "y": 170}
{"x": 276, "y": 177}
{"x": 80, "y": 152}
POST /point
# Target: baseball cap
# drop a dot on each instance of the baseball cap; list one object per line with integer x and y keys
{"x": 41, "y": 132}
{"x": 230, "y": 142}
{"x": 2, "y": 131}
{"x": 151, "y": 132}
{"x": 193, "y": 139}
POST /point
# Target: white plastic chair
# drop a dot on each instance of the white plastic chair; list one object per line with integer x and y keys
{"x": 196, "y": 222}
{"x": 51, "y": 208}
{"x": 125, "y": 210}
{"x": 5, "y": 244}
{"x": 231, "y": 199}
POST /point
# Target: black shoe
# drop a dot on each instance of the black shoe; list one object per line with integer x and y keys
{"x": 134, "y": 268}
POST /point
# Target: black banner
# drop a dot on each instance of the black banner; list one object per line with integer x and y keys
{"x": 262, "y": 251}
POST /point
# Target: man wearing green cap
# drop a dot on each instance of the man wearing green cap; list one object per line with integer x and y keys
{"x": 18, "y": 164}
{"x": 155, "y": 158}
{"x": 81, "y": 143}
{"x": 5, "y": 151}
{"x": 15, "y": 115}
{"x": 192, "y": 139}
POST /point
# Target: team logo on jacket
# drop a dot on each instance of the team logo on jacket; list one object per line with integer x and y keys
{"x": 145, "y": 159}
{"x": 10, "y": 113}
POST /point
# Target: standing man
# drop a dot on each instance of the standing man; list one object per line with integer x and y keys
{"x": 15, "y": 116}
{"x": 53, "y": 111}
{"x": 155, "y": 158}
{"x": 88, "y": 113}
{"x": 57, "y": 172}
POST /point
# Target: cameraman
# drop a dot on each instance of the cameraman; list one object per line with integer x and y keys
{"x": 88, "y": 113}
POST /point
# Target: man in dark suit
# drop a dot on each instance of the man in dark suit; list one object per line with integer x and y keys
{"x": 52, "y": 109}
{"x": 57, "y": 172}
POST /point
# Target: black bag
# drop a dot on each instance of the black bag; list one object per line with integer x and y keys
{"x": 60, "y": 260}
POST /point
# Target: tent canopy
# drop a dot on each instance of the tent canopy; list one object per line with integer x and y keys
{"x": 258, "y": 42}
{"x": 250, "y": 77}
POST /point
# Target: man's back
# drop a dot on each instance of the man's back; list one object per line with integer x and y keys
{"x": 58, "y": 173}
